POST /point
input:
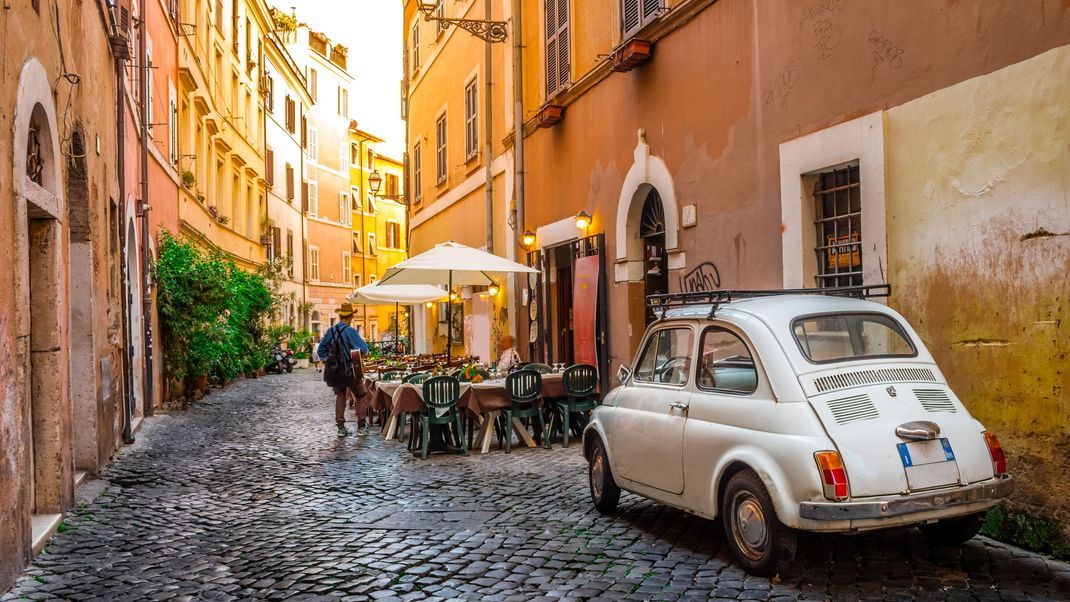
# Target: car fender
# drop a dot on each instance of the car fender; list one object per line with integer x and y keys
{"x": 595, "y": 428}
{"x": 781, "y": 489}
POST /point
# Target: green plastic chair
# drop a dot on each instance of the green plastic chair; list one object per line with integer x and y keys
{"x": 580, "y": 382}
{"x": 441, "y": 393}
{"x": 540, "y": 368}
{"x": 417, "y": 378}
{"x": 392, "y": 375}
{"x": 524, "y": 389}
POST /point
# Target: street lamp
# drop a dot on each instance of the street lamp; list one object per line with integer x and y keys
{"x": 583, "y": 221}
{"x": 493, "y": 290}
{"x": 528, "y": 239}
{"x": 374, "y": 182}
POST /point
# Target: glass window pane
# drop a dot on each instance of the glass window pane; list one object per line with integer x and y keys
{"x": 841, "y": 337}
{"x": 726, "y": 363}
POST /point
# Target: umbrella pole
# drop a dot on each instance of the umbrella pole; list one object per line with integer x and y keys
{"x": 397, "y": 327}
{"x": 449, "y": 319}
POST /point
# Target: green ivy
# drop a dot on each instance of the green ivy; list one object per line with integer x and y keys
{"x": 1032, "y": 533}
{"x": 213, "y": 315}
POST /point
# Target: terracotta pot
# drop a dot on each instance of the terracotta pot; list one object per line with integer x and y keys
{"x": 199, "y": 383}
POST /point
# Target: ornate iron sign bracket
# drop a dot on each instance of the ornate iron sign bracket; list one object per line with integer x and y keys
{"x": 489, "y": 31}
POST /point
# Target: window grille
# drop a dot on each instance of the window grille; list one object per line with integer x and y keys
{"x": 838, "y": 223}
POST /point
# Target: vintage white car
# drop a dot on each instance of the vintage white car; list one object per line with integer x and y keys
{"x": 792, "y": 412}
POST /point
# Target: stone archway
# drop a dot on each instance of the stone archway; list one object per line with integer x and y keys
{"x": 647, "y": 172}
{"x": 648, "y": 178}
{"x": 41, "y": 294}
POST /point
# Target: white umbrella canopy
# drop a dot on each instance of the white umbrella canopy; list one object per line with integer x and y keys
{"x": 389, "y": 294}
{"x": 452, "y": 263}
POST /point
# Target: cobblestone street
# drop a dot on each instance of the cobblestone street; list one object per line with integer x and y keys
{"x": 249, "y": 494}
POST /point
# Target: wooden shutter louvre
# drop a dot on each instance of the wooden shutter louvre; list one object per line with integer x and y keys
{"x": 269, "y": 167}
{"x": 289, "y": 182}
{"x": 651, "y": 10}
{"x": 630, "y": 18}
{"x": 551, "y": 47}
{"x": 304, "y": 196}
{"x": 563, "y": 54}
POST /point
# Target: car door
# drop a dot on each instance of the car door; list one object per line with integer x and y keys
{"x": 647, "y": 439}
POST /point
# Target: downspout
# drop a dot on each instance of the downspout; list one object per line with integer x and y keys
{"x": 146, "y": 266}
{"x": 518, "y": 118}
{"x": 488, "y": 148}
{"x": 363, "y": 233}
{"x": 120, "y": 170}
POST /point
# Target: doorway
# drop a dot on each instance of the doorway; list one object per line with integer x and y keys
{"x": 655, "y": 257}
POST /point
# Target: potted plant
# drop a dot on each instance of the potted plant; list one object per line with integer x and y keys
{"x": 222, "y": 219}
{"x": 213, "y": 211}
{"x": 188, "y": 179}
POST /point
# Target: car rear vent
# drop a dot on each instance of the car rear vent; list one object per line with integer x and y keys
{"x": 872, "y": 377}
{"x": 935, "y": 400}
{"x": 852, "y": 409}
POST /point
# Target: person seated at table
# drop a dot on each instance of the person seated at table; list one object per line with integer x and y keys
{"x": 510, "y": 359}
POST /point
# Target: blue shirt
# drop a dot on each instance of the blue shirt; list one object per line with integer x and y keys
{"x": 350, "y": 340}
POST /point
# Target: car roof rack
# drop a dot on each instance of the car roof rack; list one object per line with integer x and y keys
{"x": 660, "y": 304}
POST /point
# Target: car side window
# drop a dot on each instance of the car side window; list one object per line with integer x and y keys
{"x": 666, "y": 358}
{"x": 727, "y": 364}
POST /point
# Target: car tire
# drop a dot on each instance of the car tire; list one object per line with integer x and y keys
{"x": 759, "y": 541}
{"x": 954, "y": 531}
{"x": 604, "y": 490}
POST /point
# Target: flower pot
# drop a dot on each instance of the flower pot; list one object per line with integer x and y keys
{"x": 302, "y": 363}
{"x": 197, "y": 384}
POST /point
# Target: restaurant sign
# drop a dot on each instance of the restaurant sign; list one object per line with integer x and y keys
{"x": 585, "y": 309}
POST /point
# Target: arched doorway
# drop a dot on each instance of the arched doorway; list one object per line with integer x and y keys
{"x": 137, "y": 323}
{"x": 655, "y": 255}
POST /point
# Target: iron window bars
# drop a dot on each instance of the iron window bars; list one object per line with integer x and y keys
{"x": 838, "y": 224}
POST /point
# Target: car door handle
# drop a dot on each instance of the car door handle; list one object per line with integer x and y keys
{"x": 678, "y": 405}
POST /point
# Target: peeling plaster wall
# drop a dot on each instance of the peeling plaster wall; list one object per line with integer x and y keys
{"x": 979, "y": 249}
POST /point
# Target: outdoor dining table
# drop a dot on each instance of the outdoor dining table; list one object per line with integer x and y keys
{"x": 484, "y": 400}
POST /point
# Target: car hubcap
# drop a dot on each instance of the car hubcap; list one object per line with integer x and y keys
{"x": 597, "y": 469}
{"x": 749, "y": 528}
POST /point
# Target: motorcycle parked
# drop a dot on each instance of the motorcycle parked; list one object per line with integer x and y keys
{"x": 282, "y": 360}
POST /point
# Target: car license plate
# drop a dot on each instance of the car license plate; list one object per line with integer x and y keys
{"x": 929, "y": 463}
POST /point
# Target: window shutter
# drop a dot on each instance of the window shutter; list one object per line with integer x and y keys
{"x": 304, "y": 196}
{"x": 289, "y": 182}
{"x": 630, "y": 19}
{"x": 551, "y": 47}
{"x": 304, "y": 131}
{"x": 563, "y": 62}
{"x": 651, "y": 9}
{"x": 277, "y": 246}
{"x": 269, "y": 167}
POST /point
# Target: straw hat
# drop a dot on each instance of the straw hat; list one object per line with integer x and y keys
{"x": 346, "y": 310}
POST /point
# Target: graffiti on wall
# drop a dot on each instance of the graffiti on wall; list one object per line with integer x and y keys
{"x": 704, "y": 277}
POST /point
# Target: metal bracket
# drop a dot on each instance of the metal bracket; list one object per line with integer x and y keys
{"x": 489, "y": 31}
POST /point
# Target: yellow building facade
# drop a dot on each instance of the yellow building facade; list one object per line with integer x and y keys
{"x": 380, "y": 237}
{"x": 445, "y": 88}
{"x": 221, "y": 126}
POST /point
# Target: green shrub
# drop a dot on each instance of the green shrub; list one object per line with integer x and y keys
{"x": 213, "y": 314}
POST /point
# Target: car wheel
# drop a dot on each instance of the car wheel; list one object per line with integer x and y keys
{"x": 604, "y": 490}
{"x": 757, "y": 538}
{"x": 954, "y": 531}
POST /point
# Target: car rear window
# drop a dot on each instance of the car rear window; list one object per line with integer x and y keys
{"x": 849, "y": 336}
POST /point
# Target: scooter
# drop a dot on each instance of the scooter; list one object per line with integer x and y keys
{"x": 283, "y": 360}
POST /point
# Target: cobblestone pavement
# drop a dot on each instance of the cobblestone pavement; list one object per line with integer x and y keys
{"x": 249, "y": 494}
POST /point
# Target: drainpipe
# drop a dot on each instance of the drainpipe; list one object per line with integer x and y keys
{"x": 488, "y": 149}
{"x": 518, "y": 117}
{"x": 127, "y": 360}
{"x": 363, "y": 234}
{"x": 146, "y": 120}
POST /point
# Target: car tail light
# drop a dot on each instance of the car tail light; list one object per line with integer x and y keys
{"x": 833, "y": 475}
{"x": 999, "y": 460}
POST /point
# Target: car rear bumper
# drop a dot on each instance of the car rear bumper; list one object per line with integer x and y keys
{"x": 977, "y": 493}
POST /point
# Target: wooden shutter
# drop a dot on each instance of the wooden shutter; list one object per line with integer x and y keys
{"x": 269, "y": 167}
{"x": 630, "y": 19}
{"x": 304, "y": 131}
{"x": 557, "y": 46}
{"x": 276, "y": 247}
{"x": 304, "y": 196}
{"x": 289, "y": 182}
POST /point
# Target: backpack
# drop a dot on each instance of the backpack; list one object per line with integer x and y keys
{"x": 335, "y": 367}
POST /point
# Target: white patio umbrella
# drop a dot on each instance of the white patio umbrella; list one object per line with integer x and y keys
{"x": 385, "y": 294}
{"x": 452, "y": 263}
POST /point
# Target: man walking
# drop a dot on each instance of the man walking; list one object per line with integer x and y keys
{"x": 336, "y": 348}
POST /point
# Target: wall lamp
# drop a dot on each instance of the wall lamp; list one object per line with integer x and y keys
{"x": 527, "y": 240}
{"x": 583, "y": 220}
